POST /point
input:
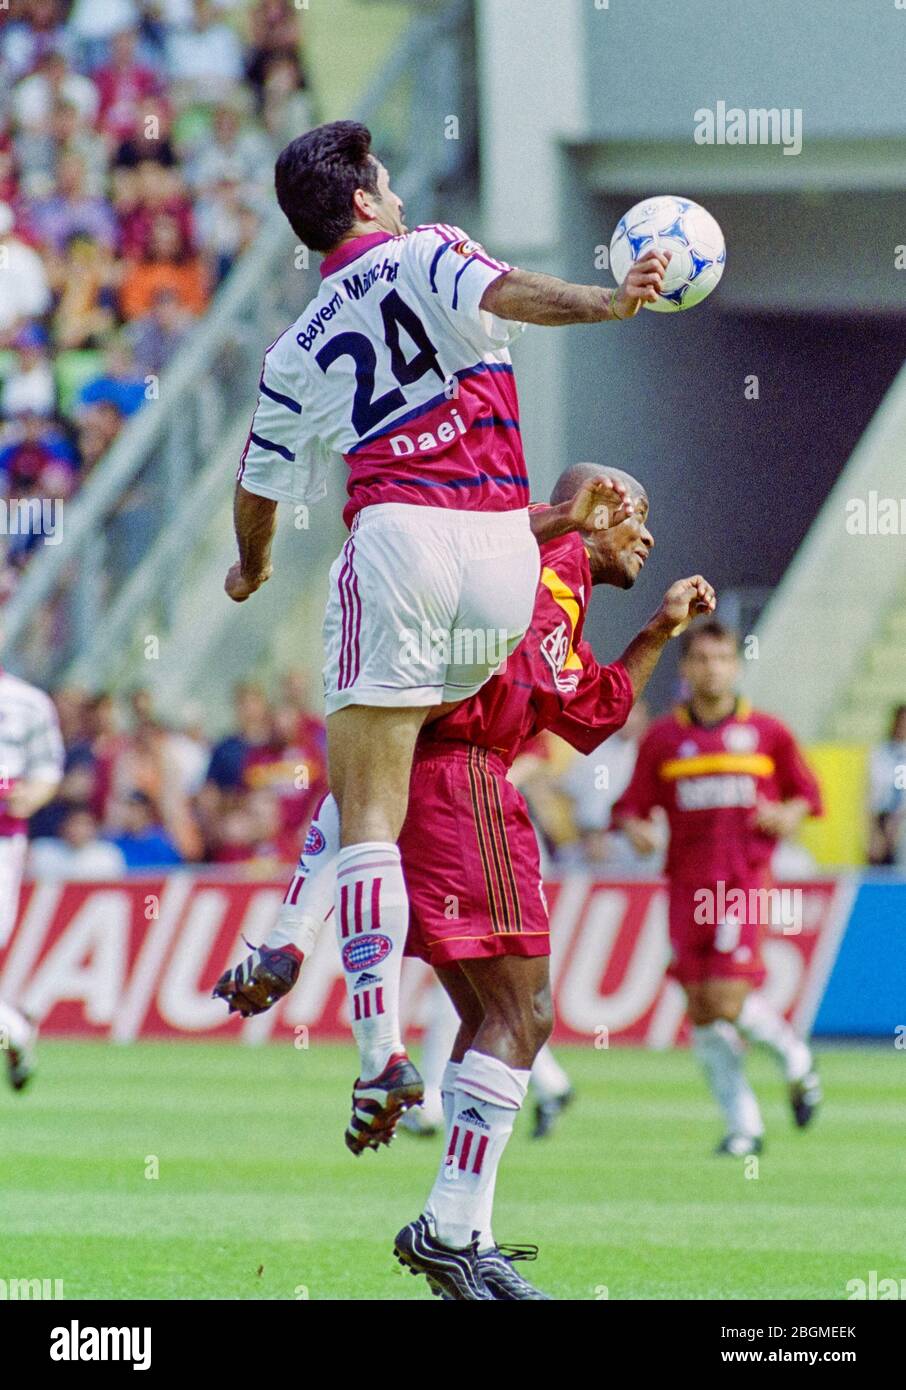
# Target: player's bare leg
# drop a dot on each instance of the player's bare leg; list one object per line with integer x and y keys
{"x": 370, "y": 761}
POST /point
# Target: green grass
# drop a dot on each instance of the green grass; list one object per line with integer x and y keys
{"x": 257, "y": 1195}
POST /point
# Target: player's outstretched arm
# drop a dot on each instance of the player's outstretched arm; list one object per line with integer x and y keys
{"x": 682, "y": 601}
{"x": 600, "y": 502}
{"x": 255, "y": 521}
{"x": 529, "y": 296}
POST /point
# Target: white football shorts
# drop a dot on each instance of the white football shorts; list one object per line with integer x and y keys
{"x": 13, "y": 850}
{"x": 425, "y": 603}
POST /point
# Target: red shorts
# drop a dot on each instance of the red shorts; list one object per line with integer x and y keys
{"x": 470, "y": 859}
{"x": 716, "y": 931}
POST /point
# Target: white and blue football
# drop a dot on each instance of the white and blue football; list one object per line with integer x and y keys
{"x": 689, "y": 232}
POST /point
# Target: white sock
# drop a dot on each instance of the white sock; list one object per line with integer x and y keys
{"x": 15, "y": 1029}
{"x": 372, "y": 920}
{"x": 549, "y": 1080}
{"x": 309, "y": 897}
{"x": 447, "y": 1090}
{"x": 760, "y": 1023}
{"x": 487, "y": 1096}
{"x": 720, "y": 1052}
{"x": 437, "y": 1043}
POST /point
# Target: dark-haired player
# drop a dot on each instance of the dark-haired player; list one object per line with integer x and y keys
{"x": 473, "y": 873}
{"x": 399, "y": 366}
{"x": 732, "y": 783}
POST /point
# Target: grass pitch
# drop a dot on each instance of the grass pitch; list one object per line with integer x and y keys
{"x": 255, "y": 1195}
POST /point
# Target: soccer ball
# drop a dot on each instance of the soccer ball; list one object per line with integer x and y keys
{"x": 683, "y": 228}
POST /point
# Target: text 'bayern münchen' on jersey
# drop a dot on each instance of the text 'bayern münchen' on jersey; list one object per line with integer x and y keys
{"x": 394, "y": 367}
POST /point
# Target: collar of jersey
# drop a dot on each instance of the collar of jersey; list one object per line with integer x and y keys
{"x": 740, "y": 711}
{"x": 351, "y": 250}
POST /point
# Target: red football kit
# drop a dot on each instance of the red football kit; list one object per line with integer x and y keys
{"x": 708, "y": 779}
{"x": 468, "y": 847}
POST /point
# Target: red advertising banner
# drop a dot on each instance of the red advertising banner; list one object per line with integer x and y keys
{"x": 138, "y": 958}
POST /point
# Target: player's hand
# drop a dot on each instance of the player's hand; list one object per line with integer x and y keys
{"x": 683, "y": 601}
{"x": 257, "y": 982}
{"x": 643, "y": 283}
{"x": 240, "y": 586}
{"x": 643, "y": 835}
{"x": 776, "y": 817}
{"x": 599, "y": 504}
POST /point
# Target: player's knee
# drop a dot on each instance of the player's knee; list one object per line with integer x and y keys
{"x": 542, "y": 1019}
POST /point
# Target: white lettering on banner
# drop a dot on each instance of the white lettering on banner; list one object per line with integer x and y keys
{"x": 666, "y": 1017}
{"x": 565, "y": 920}
{"x": 28, "y": 940}
{"x": 179, "y": 999}
{"x": 581, "y": 1004}
{"x": 130, "y": 976}
{"x": 145, "y": 974}
{"x": 88, "y": 962}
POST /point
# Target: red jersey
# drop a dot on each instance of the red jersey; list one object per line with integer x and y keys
{"x": 552, "y": 680}
{"x": 708, "y": 779}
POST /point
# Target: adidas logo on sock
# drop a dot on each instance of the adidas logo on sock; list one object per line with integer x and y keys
{"x": 473, "y": 1117}
{"x": 367, "y": 979}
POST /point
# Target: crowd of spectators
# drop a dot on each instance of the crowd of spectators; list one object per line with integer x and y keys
{"x": 141, "y": 793}
{"x": 137, "y": 140}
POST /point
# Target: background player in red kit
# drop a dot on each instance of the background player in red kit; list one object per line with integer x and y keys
{"x": 732, "y": 783}
{"x": 473, "y": 875}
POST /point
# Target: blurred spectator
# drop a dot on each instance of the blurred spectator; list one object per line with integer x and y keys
{"x": 37, "y": 454}
{"x": 26, "y": 292}
{"x": 143, "y": 841}
{"x": 155, "y": 337}
{"x": 95, "y": 23}
{"x": 227, "y": 223}
{"x": 286, "y": 110}
{"x": 161, "y": 797}
{"x": 152, "y": 191}
{"x": 36, "y": 30}
{"x": 99, "y": 426}
{"x": 70, "y": 210}
{"x": 86, "y": 311}
{"x": 204, "y": 59}
{"x": 253, "y": 730}
{"x": 149, "y": 140}
{"x": 123, "y": 83}
{"x": 887, "y": 795}
{"x": 593, "y": 782}
{"x": 78, "y": 853}
{"x": 169, "y": 266}
{"x": 119, "y": 384}
{"x": 33, "y": 99}
{"x": 29, "y": 388}
{"x": 233, "y": 152}
{"x": 121, "y": 207}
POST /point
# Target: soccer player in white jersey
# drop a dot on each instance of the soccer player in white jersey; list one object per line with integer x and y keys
{"x": 399, "y": 366}
{"x": 31, "y": 768}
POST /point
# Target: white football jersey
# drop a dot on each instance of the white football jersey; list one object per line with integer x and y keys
{"x": 31, "y": 746}
{"x": 395, "y": 368}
